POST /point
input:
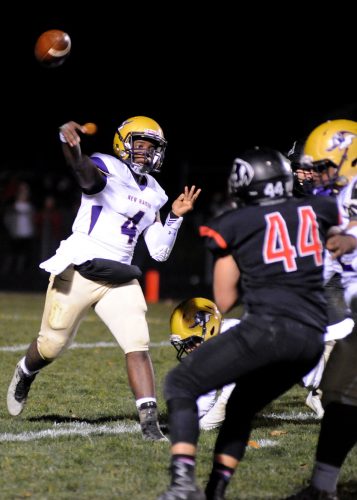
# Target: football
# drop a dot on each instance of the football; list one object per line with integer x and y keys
{"x": 52, "y": 48}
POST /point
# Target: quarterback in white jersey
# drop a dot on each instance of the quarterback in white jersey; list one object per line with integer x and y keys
{"x": 92, "y": 268}
{"x": 108, "y": 223}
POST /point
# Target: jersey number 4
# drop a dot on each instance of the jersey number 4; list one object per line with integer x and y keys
{"x": 277, "y": 242}
{"x": 129, "y": 228}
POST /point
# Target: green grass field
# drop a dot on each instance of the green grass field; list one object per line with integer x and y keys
{"x": 79, "y": 438}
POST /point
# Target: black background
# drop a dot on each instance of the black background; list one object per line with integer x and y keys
{"x": 216, "y": 80}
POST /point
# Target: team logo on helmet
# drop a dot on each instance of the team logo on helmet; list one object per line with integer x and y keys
{"x": 342, "y": 140}
{"x": 242, "y": 174}
{"x": 201, "y": 318}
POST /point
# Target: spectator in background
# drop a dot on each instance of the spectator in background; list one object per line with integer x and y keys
{"x": 19, "y": 223}
{"x": 49, "y": 227}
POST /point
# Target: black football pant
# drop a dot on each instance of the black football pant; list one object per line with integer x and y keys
{"x": 264, "y": 355}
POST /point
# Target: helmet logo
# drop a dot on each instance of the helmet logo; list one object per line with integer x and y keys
{"x": 242, "y": 173}
{"x": 201, "y": 318}
{"x": 341, "y": 140}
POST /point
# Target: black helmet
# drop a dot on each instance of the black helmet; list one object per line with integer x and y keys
{"x": 261, "y": 176}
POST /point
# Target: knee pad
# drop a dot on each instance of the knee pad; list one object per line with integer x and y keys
{"x": 61, "y": 315}
{"x": 57, "y": 330}
{"x": 51, "y": 345}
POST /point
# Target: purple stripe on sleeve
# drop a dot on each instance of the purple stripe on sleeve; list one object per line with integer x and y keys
{"x": 100, "y": 164}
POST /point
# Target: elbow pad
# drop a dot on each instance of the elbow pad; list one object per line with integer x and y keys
{"x": 160, "y": 239}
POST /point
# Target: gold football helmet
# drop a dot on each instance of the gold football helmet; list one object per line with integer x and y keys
{"x": 334, "y": 143}
{"x": 192, "y": 322}
{"x": 140, "y": 127}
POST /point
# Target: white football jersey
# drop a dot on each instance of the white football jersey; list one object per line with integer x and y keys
{"x": 108, "y": 224}
{"x": 349, "y": 260}
{"x": 332, "y": 266}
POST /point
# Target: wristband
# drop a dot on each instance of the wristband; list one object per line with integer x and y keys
{"x": 173, "y": 221}
{"x": 62, "y": 137}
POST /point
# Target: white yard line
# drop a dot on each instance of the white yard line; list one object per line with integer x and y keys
{"x": 89, "y": 319}
{"x": 76, "y": 428}
{"x": 76, "y": 345}
{"x": 298, "y": 416}
{"x": 85, "y": 429}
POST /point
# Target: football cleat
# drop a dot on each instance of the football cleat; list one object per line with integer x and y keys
{"x": 187, "y": 492}
{"x": 216, "y": 491}
{"x": 183, "y": 485}
{"x": 149, "y": 422}
{"x": 312, "y": 493}
{"x": 18, "y": 391}
{"x": 313, "y": 401}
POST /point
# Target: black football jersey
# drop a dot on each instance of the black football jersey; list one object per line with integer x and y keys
{"x": 279, "y": 251}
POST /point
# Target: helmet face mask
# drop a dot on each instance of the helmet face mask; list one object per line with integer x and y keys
{"x": 332, "y": 148}
{"x": 303, "y": 173}
{"x": 192, "y": 322}
{"x": 303, "y": 181}
{"x": 184, "y": 347}
{"x": 144, "y": 129}
{"x": 261, "y": 176}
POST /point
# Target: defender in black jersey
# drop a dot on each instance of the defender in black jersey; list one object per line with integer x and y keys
{"x": 273, "y": 245}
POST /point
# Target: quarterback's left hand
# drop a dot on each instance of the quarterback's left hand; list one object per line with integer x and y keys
{"x": 184, "y": 203}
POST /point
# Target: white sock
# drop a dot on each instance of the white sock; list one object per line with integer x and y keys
{"x": 140, "y": 401}
{"x": 25, "y": 369}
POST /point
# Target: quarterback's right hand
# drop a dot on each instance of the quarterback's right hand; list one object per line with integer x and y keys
{"x": 69, "y": 135}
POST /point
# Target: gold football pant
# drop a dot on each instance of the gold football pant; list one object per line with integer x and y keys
{"x": 70, "y": 297}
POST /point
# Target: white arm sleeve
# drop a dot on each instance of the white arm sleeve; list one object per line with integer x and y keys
{"x": 160, "y": 239}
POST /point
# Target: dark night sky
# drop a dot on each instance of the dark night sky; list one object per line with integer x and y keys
{"x": 214, "y": 92}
